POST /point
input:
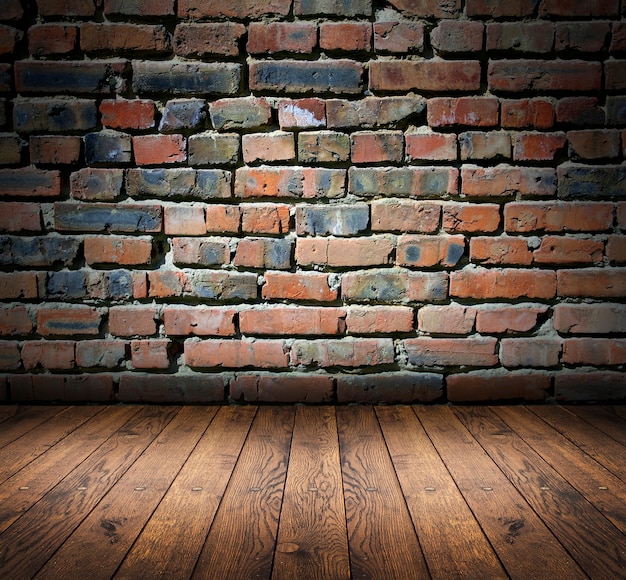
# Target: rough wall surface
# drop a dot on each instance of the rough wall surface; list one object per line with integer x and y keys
{"x": 312, "y": 200}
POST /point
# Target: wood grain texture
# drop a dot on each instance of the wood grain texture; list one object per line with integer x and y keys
{"x": 24, "y": 420}
{"x": 383, "y": 543}
{"x": 606, "y": 419}
{"x": 439, "y": 512}
{"x": 8, "y": 411}
{"x": 312, "y": 538}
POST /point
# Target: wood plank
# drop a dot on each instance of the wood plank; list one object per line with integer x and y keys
{"x": 20, "y": 452}
{"x": 28, "y": 544}
{"x": 524, "y": 544}
{"x": 173, "y": 537}
{"x": 592, "y": 441}
{"x": 242, "y": 539}
{"x": 22, "y": 490}
{"x": 597, "y": 546}
{"x": 97, "y": 547}
{"x": 382, "y": 541}
{"x": 312, "y": 537}
{"x": 8, "y": 411}
{"x": 440, "y": 514}
{"x": 593, "y": 481}
{"x": 603, "y": 418}
{"x": 620, "y": 410}
{"x": 24, "y": 420}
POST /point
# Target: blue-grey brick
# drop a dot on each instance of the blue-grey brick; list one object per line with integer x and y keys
{"x": 178, "y": 183}
{"x": 181, "y": 114}
{"x": 217, "y": 285}
{"x": 403, "y": 181}
{"x": 339, "y": 220}
{"x": 119, "y": 284}
{"x": 68, "y": 285}
{"x": 100, "y": 217}
{"x": 591, "y": 181}
{"x": 37, "y": 252}
{"x": 107, "y": 147}
{"x": 54, "y": 115}
{"x": 211, "y": 148}
{"x": 390, "y": 387}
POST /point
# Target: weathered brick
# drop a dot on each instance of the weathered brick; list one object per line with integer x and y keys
{"x": 416, "y": 251}
{"x": 535, "y": 146}
{"x": 591, "y": 181}
{"x": 581, "y": 36}
{"x": 178, "y": 183}
{"x": 150, "y": 353}
{"x": 297, "y": 182}
{"x": 294, "y": 76}
{"x": 603, "y": 318}
{"x": 301, "y": 113}
{"x": 470, "y": 111}
{"x": 54, "y": 149}
{"x": 268, "y": 147}
{"x": 585, "y": 111}
{"x": 496, "y": 9}
{"x": 506, "y": 180}
{"x": 520, "y": 37}
{"x": 273, "y": 37}
{"x": 333, "y": 7}
{"x": 557, "y": 217}
{"x": 38, "y": 251}
{"x": 132, "y": 320}
{"x": 564, "y": 250}
{"x": 48, "y": 354}
{"x": 186, "y": 78}
{"x": 282, "y": 388}
{"x": 15, "y": 321}
{"x": 398, "y": 37}
{"x": 96, "y": 388}
{"x": 184, "y": 220}
{"x": 392, "y": 387}
{"x": 379, "y": 319}
{"x": 183, "y": 114}
{"x": 426, "y": 75}
{"x": 9, "y": 37}
{"x": 196, "y": 9}
{"x": 231, "y": 353}
{"x": 573, "y": 8}
{"x": 12, "y": 10}
{"x": 483, "y": 283}
{"x": 400, "y": 215}
{"x": 207, "y": 39}
{"x": 139, "y": 7}
{"x": 30, "y": 182}
{"x": 342, "y": 252}
{"x": 20, "y": 217}
{"x": 594, "y": 351}
{"x": 18, "y": 285}
{"x": 9, "y": 355}
{"x": 616, "y": 248}
{"x": 509, "y": 319}
{"x": 167, "y": 283}
{"x": 52, "y": 39}
{"x": 198, "y": 321}
{"x": 100, "y": 353}
{"x": 449, "y": 319}
{"x": 121, "y": 37}
{"x": 592, "y": 282}
{"x": 107, "y": 147}
{"x": 501, "y": 250}
{"x": 264, "y": 218}
{"x": 293, "y": 321}
{"x": 159, "y": 149}
{"x": 452, "y": 36}
{"x": 346, "y": 352}
{"x": 66, "y": 8}
{"x": 339, "y": 220}
{"x": 519, "y": 113}
{"x": 618, "y": 37}
{"x": 429, "y": 8}
{"x": 430, "y": 146}
{"x": 264, "y": 253}
{"x": 223, "y": 218}
{"x": 589, "y": 386}
{"x": 345, "y": 36}
{"x": 394, "y": 285}
{"x": 152, "y": 388}
{"x": 323, "y": 147}
{"x": 100, "y": 217}
{"x": 66, "y": 321}
{"x": 54, "y": 115}
{"x": 298, "y": 286}
{"x": 544, "y": 75}
{"x": 210, "y": 148}
{"x": 240, "y": 113}
{"x": 377, "y": 146}
{"x": 592, "y": 144}
{"x": 477, "y": 145}
{"x": 118, "y": 250}
{"x": 93, "y": 184}
{"x": 500, "y": 386}
{"x": 10, "y": 149}
{"x": 530, "y": 352}
{"x": 218, "y": 285}
{"x": 437, "y": 352}
{"x": 373, "y": 111}
{"x": 200, "y": 251}
{"x": 403, "y": 181}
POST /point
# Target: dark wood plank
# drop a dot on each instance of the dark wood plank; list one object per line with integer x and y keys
{"x": 592, "y": 441}
{"x": 440, "y": 514}
{"x": 312, "y": 538}
{"x": 382, "y": 540}
{"x": 597, "y": 546}
{"x": 22, "y": 490}
{"x": 242, "y": 539}
{"x": 97, "y": 547}
{"x": 28, "y": 544}
{"x": 620, "y": 410}
{"x": 524, "y": 544}
{"x": 173, "y": 537}
{"x": 24, "y": 420}
{"x": 8, "y": 411}
{"x": 20, "y": 452}
{"x": 603, "y": 418}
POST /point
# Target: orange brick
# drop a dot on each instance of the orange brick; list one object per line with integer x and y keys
{"x": 198, "y": 321}
{"x": 184, "y": 220}
{"x": 450, "y": 319}
{"x": 118, "y": 250}
{"x": 379, "y": 319}
{"x": 222, "y": 218}
{"x": 297, "y": 320}
{"x": 268, "y": 147}
{"x": 132, "y": 320}
{"x": 346, "y": 36}
{"x": 563, "y": 250}
{"x": 509, "y": 319}
{"x": 481, "y": 283}
{"x": 15, "y": 320}
{"x": 592, "y": 283}
{"x": 470, "y": 217}
{"x": 400, "y": 215}
{"x": 427, "y": 251}
{"x": 298, "y": 286}
{"x": 526, "y": 217}
{"x": 68, "y": 321}
{"x": 501, "y": 250}
{"x": 433, "y": 352}
{"x": 376, "y": 146}
{"x": 430, "y": 146}
{"x": 265, "y": 218}
{"x": 159, "y": 149}
{"x": 236, "y": 353}
{"x": 336, "y": 252}
{"x": 48, "y": 354}
{"x": 150, "y": 354}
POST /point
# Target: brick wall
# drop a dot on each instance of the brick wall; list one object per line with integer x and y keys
{"x": 312, "y": 200}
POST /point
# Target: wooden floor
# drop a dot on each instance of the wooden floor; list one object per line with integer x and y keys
{"x": 301, "y": 492}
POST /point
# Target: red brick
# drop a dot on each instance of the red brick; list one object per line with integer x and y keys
{"x": 519, "y": 113}
{"x": 301, "y": 113}
{"x": 509, "y": 319}
{"x": 346, "y": 352}
{"x": 520, "y": 36}
{"x": 118, "y": 250}
{"x": 499, "y": 9}
{"x": 223, "y": 218}
{"x": 100, "y": 353}
{"x": 166, "y": 283}
{"x": 340, "y": 252}
{"x": 416, "y": 251}
{"x": 264, "y": 218}
{"x": 450, "y": 319}
{"x": 399, "y": 215}
{"x": 616, "y": 248}
{"x": 479, "y": 145}
{"x": 588, "y": 386}
{"x": 453, "y": 36}
{"x": 551, "y": 216}
{"x": 150, "y": 354}
{"x": 594, "y": 351}
{"x": 52, "y": 39}
{"x": 10, "y": 149}
{"x": 273, "y": 37}
{"x": 9, "y": 356}
{"x": 184, "y": 220}
{"x": 422, "y": 146}
{"x": 66, "y": 7}
{"x": 592, "y": 144}
{"x": 544, "y": 75}
{"x": 581, "y": 36}
{"x": 230, "y": 353}
{"x": 240, "y": 9}
{"x": 429, "y": 8}
{"x": 501, "y": 250}
{"x": 123, "y": 37}
{"x": 128, "y": 114}
{"x": 200, "y": 251}
{"x": 55, "y": 149}
{"x": 575, "y": 8}
{"x": 298, "y": 182}
{"x": 159, "y": 8}
{"x": 198, "y": 321}
{"x": 379, "y": 319}
{"x": 30, "y": 182}
{"x": 394, "y": 285}
{"x": 294, "y": 320}
{"x": 620, "y": 211}
{"x": 470, "y": 217}
{"x": 398, "y": 37}
{"x": 483, "y": 283}
{"x": 377, "y": 146}
{"x": 282, "y": 388}
{"x": 18, "y": 285}
{"x": 132, "y": 320}
{"x": 479, "y": 386}
{"x": 83, "y": 320}
{"x": 268, "y": 147}
{"x": 580, "y": 111}
{"x": 9, "y": 37}
{"x": 507, "y": 180}
{"x": 346, "y": 36}
{"x": 263, "y": 253}
{"x": 298, "y": 286}
{"x": 530, "y": 352}
{"x": 159, "y": 149}
{"x": 426, "y": 75}
{"x": 48, "y": 354}
{"x": 20, "y": 217}
{"x": 434, "y": 352}
{"x": 12, "y": 10}
{"x": 535, "y": 146}
{"x": 96, "y": 184}
{"x": 618, "y": 37}
{"x": 590, "y": 318}
{"x": 206, "y": 39}
{"x": 592, "y": 283}
{"x": 15, "y": 321}
{"x": 470, "y": 111}
{"x": 564, "y": 250}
